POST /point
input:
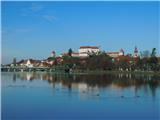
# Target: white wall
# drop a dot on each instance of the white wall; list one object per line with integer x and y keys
{"x": 88, "y": 50}
{"x": 83, "y": 54}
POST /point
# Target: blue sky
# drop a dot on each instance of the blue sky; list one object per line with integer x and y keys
{"x": 34, "y": 29}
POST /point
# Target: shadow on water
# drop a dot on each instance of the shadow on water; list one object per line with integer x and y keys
{"x": 94, "y": 82}
{"x": 48, "y": 95}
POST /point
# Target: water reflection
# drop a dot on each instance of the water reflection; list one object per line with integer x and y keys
{"x": 94, "y": 83}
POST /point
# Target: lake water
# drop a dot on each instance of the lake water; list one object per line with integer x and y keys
{"x": 48, "y": 96}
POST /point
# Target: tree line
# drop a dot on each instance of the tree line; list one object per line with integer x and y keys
{"x": 101, "y": 61}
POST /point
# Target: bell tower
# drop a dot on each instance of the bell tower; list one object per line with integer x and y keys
{"x": 121, "y": 52}
{"x": 135, "y": 55}
{"x": 53, "y": 54}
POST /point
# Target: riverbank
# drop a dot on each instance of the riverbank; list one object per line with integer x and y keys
{"x": 115, "y": 72}
{"x": 96, "y": 72}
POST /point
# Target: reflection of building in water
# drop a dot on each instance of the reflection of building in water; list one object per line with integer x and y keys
{"x": 41, "y": 77}
{"x": 120, "y": 75}
{"x": 94, "y": 90}
{"x": 29, "y": 76}
{"x": 86, "y": 91}
{"x": 82, "y": 87}
{"x": 91, "y": 85}
{"x": 14, "y": 77}
{"x": 74, "y": 85}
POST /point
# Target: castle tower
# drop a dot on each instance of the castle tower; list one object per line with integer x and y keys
{"x": 121, "y": 52}
{"x": 135, "y": 55}
{"x": 53, "y": 54}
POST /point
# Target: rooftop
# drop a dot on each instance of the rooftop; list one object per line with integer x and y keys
{"x": 92, "y": 47}
{"x": 112, "y": 52}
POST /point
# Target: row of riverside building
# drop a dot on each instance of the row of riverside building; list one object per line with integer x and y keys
{"x": 83, "y": 52}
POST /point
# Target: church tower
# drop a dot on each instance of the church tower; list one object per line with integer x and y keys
{"x": 53, "y": 54}
{"x": 135, "y": 55}
{"x": 121, "y": 52}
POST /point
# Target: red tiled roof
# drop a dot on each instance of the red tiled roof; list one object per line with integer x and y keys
{"x": 31, "y": 60}
{"x": 45, "y": 64}
{"x": 125, "y": 58}
{"x": 64, "y": 54}
{"x": 92, "y": 47}
{"x": 112, "y": 52}
{"x": 75, "y": 53}
{"x": 34, "y": 61}
{"x": 20, "y": 62}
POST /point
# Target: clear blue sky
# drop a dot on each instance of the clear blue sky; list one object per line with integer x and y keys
{"x": 34, "y": 29}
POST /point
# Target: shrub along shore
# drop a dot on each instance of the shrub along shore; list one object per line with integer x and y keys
{"x": 104, "y": 63}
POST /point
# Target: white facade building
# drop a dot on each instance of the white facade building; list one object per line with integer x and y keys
{"x": 75, "y": 54}
{"x": 116, "y": 54}
{"x": 29, "y": 64}
{"x": 85, "y": 50}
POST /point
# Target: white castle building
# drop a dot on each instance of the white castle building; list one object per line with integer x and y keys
{"x": 116, "y": 54}
{"x": 84, "y": 51}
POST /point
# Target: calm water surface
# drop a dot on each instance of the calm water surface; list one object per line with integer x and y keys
{"x": 48, "y": 96}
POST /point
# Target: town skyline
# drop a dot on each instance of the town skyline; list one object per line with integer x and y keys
{"x": 34, "y": 29}
{"x": 85, "y": 52}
